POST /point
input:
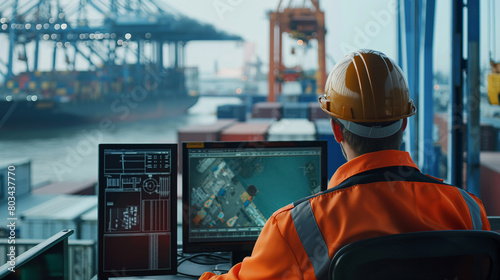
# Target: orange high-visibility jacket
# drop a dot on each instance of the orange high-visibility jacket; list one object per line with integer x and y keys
{"x": 374, "y": 194}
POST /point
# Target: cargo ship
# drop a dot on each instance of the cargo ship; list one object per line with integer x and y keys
{"x": 125, "y": 62}
{"x": 69, "y": 97}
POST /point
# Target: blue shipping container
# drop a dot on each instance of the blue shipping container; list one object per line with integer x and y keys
{"x": 232, "y": 111}
{"x": 296, "y": 110}
{"x": 308, "y": 98}
{"x": 253, "y": 99}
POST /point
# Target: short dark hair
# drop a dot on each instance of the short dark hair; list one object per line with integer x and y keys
{"x": 362, "y": 145}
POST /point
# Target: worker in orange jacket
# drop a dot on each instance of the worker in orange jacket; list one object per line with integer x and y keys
{"x": 379, "y": 191}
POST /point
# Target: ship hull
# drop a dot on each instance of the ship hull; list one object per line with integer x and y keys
{"x": 119, "y": 108}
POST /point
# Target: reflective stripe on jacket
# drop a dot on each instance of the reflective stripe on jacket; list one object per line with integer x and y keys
{"x": 374, "y": 194}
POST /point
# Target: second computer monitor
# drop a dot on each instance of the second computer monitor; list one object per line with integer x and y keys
{"x": 137, "y": 233}
{"x": 230, "y": 189}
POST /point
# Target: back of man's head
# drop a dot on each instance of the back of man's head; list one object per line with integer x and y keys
{"x": 368, "y": 96}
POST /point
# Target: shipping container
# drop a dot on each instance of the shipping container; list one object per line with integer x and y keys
{"x": 88, "y": 225}
{"x": 489, "y": 137}
{"x": 62, "y": 212}
{"x": 251, "y": 100}
{"x": 296, "y": 110}
{"x": 306, "y": 98}
{"x": 498, "y": 140}
{"x": 315, "y": 112}
{"x": 261, "y": 120}
{"x": 87, "y": 187}
{"x": 489, "y": 182}
{"x": 18, "y": 172}
{"x": 254, "y": 131}
{"x": 201, "y": 133}
{"x": 267, "y": 110}
{"x": 232, "y": 111}
{"x": 292, "y": 130}
{"x": 335, "y": 156}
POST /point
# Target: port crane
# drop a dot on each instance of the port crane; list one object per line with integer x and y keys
{"x": 102, "y": 26}
{"x": 93, "y": 50}
{"x": 303, "y": 23}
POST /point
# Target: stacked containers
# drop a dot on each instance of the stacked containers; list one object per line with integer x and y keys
{"x": 251, "y": 100}
{"x": 292, "y": 130}
{"x": 315, "y": 112}
{"x": 308, "y": 98}
{"x": 271, "y": 110}
{"x": 88, "y": 226}
{"x": 251, "y": 131}
{"x": 232, "y": 111}
{"x": 296, "y": 110}
{"x": 22, "y": 170}
{"x": 488, "y": 137}
{"x": 201, "y": 133}
{"x": 335, "y": 156}
{"x": 62, "y": 212}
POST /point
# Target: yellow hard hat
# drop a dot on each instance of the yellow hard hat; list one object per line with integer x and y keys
{"x": 367, "y": 86}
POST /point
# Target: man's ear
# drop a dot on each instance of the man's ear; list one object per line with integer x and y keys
{"x": 336, "y": 131}
{"x": 405, "y": 122}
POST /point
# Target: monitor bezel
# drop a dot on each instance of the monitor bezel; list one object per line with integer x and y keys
{"x": 234, "y": 245}
{"x": 173, "y": 147}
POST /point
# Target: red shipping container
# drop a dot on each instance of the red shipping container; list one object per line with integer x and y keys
{"x": 201, "y": 133}
{"x": 267, "y": 110}
{"x": 315, "y": 112}
{"x": 245, "y": 132}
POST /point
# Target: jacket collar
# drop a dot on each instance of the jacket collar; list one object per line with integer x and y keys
{"x": 371, "y": 161}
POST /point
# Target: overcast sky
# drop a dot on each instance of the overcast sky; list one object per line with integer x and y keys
{"x": 349, "y": 27}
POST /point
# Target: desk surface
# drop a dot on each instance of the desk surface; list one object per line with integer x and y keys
{"x": 186, "y": 267}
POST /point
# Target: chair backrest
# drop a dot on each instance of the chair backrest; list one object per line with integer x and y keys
{"x": 450, "y": 254}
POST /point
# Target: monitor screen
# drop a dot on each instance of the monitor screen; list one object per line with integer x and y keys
{"x": 137, "y": 232}
{"x": 230, "y": 189}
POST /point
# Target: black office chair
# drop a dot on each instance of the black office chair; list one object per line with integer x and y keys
{"x": 451, "y": 254}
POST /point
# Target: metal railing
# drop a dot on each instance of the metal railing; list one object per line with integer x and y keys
{"x": 81, "y": 255}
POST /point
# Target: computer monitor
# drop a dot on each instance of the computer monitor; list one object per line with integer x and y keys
{"x": 230, "y": 189}
{"x": 137, "y": 208}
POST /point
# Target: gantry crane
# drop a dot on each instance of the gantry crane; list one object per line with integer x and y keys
{"x": 75, "y": 59}
{"x": 96, "y": 29}
{"x": 303, "y": 24}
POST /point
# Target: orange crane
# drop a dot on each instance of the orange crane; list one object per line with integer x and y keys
{"x": 303, "y": 24}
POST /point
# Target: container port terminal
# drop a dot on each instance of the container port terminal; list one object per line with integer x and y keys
{"x": 124, "y": 56}
{"x": 114, "y": 61}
